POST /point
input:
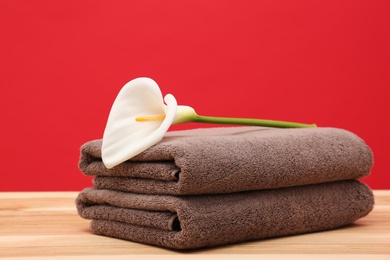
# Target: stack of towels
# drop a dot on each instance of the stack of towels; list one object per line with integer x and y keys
{"x": 215, "y": 186}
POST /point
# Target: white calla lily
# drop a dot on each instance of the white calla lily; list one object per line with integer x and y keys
{"x": 124, "y": 137}
{"x": 139, "y": 119}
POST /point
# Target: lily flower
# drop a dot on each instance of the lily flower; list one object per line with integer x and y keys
{"x": 139, "y": 119}
{"x": 124, "y": 136}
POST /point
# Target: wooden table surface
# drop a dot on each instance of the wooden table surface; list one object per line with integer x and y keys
{"x": 42, "y": 225}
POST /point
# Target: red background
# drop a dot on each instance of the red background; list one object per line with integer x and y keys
{"x": 63, "y": 63}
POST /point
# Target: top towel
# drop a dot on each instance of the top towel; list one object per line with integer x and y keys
{"x": 233, "y": 159}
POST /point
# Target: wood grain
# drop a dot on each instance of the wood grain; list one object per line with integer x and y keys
{"x": 46, "y": 225}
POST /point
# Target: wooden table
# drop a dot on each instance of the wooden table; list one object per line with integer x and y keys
{"x": 42, "y": 225}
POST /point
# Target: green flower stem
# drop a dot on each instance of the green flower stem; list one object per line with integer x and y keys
{"x": 250, "y": 121}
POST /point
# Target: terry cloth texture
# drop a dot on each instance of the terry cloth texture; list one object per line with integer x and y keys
{"x": 233, "y": 159}
{"x": 189, "y": 222}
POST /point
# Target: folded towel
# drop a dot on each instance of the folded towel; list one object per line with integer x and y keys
{"x": 189, "y": 222}
{"x": 233, "y": 159}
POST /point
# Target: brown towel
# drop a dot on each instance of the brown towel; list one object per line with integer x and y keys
{"x": 233, "y": 159}
{"x": 188, "y": 222}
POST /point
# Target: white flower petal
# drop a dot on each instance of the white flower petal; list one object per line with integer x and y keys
{"x": 124, "y": 137}
{"x": 184, "y": 114}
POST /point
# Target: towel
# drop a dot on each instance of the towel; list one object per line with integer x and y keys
{"x": 190, "y": 222}
{"x": 233, "y": 159}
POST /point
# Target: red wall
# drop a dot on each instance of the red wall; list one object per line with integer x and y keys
{"x": 63, "y": 63}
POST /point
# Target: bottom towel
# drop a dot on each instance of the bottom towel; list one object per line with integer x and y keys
{"x": 189, "y": 222}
